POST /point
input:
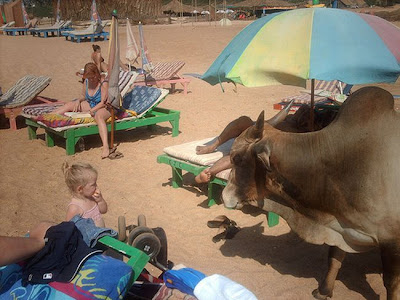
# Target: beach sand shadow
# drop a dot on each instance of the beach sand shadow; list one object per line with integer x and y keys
{"x": 289, "y": 254}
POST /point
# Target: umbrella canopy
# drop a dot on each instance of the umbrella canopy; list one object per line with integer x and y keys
{"x": 58, "y": 18}
{"x": 132, "y": 49}
{"x": 311, "y": 43}
{"x": 95, "y": 15}
{"x": 114, "y": 95}
{"x": 147, "y": 65}
{"x": 24, "y": 13}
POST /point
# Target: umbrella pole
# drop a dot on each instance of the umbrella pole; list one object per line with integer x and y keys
{"x": 112, "y": 128}
{"x": 311, "y": 125}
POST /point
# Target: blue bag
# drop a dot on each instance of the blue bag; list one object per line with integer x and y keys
{"x": 184, "y": 279}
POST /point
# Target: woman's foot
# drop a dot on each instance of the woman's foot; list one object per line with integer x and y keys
{"x": 205, "y": 149}
{"x": 204, "y": 176}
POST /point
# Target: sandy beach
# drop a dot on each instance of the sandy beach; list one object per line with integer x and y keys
{"x": 274, "y": 263}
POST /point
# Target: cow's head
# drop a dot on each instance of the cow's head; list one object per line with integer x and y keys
{"x": 250, "y": 164}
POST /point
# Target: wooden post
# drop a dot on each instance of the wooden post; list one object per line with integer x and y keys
{"x": 311, "y": 125}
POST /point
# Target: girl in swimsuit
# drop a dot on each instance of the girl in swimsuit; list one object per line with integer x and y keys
{"x": 93, "y": 101}
{"x": 87, "y": 200}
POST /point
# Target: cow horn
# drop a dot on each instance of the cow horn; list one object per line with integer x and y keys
{"x": 256, "y": 132}
{"x": 280, "y": 116}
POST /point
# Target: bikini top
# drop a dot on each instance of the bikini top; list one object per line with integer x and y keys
{"x": 96, "y": 98}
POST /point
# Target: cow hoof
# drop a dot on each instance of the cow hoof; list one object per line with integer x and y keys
{"x": 318, "y": 295}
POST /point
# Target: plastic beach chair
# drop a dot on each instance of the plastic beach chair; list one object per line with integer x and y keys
{"x": 9, "y": 24}
{"x": 323, "y": 90}
{"x": 164, "y": 73}
{"x": 51, "y": 30}
{"x": 21, "y": 30}
{"x": 25, "y": 91}
{"x": 183, "y": 157}
{"x": 73, "y": 129}
{"x": 93, "y": 31}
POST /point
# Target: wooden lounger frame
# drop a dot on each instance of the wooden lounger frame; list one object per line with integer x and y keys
{"x": 178, "y": 165}
{"x": 72, "y": 135}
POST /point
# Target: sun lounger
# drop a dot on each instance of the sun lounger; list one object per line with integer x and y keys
{"x": 184, "y": 158}
{"x": 20, "y": 30}
{"x": 9, "y": 24}
{"x": 24, "y": 92}
{"x": 92, "y": 32}
{"x": 54, "y": 30}
{"x": 165, "y": 73}
{"x": 99, "y": 277}
{"x": 325, "y": 91}
{"x": 72, "y": 129}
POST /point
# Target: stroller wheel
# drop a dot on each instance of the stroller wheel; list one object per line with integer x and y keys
{"x": 148, "y": 243}
{"x": 121, "y": 228}
{"x": 138, "y": 231}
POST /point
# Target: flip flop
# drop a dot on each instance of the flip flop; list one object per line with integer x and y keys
{"x": 221, "y": 221}
{"x": 228, "y": 234}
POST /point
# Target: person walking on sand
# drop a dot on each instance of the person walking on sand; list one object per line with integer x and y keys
{"x": 87, "y": 199}
{"x": 93, "y": 100}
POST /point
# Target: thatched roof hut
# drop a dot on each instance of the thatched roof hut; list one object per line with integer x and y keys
{"x": 176, "y": 7}
{"x": 264, "y": 3}
{"x": 135, "y": 9}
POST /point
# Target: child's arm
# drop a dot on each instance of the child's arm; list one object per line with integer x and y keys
{"x": 72, "y": 211}
{"x": 98, "y": 197}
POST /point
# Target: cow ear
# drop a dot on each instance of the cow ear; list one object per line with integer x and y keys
{"x": 263, "y": 153}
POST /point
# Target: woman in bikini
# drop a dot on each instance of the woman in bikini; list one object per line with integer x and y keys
{"x": 93, "y": 101}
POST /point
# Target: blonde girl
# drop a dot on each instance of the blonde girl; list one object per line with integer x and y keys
{"x": 87, "y": 200}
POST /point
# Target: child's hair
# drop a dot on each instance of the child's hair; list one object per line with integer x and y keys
{"x": 77, "y": 174}
{"x": 95, "y": 47}
{"x": 91, "y": 71}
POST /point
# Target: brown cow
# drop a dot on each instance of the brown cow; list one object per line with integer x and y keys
{"x": 339, "y": 186}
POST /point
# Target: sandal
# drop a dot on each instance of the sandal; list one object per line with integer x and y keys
{"x": 114, "y": 155}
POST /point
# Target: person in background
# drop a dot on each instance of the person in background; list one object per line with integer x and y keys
{"x": 87, "y": 199}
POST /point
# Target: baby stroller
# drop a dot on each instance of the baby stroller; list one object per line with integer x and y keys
{"x": 153, "y": 242}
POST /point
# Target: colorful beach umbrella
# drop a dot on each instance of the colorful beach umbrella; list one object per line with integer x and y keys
{"x": 311, "y": 43}
{"x": 95, "y": 15}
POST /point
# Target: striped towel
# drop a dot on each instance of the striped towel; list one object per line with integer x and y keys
{"x": 165, "y": 70}
{"x": 24, "y": 91}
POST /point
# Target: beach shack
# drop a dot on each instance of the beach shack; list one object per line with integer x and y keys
{"x": 12, "y": 11}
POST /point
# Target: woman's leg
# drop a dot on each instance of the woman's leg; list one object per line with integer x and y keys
{"x": 232, "y": 130}
{"x": 101, "y": 116}
{"x": 70, "y": 106}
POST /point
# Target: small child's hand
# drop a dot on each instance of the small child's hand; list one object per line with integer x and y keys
{"x": 97, "y": 195}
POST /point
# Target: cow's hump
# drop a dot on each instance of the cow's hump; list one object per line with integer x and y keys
{"x": 366, "y": 104}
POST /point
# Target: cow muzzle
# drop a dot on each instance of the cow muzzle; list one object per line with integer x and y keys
{"x": 229, "y": 199}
